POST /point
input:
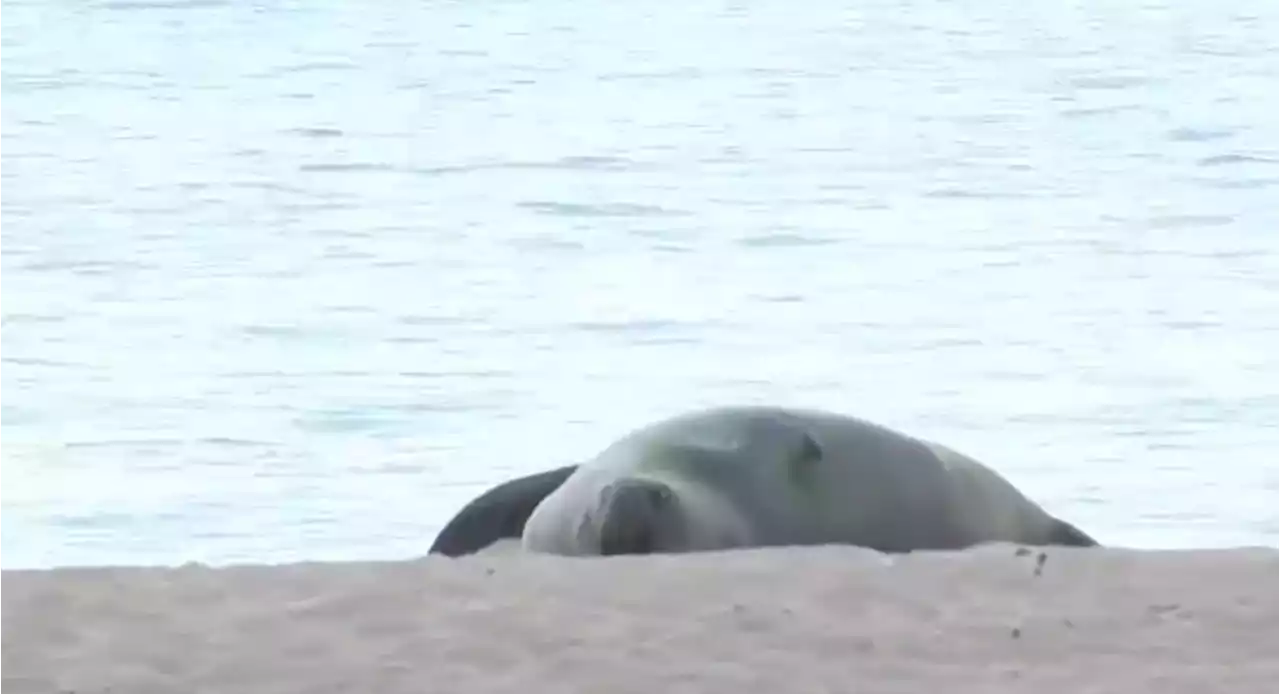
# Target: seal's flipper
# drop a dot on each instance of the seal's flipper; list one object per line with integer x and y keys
{"x": 631, "y": 516}
{"x": 1068, "y": 535}
{"x": 498, "y": 514}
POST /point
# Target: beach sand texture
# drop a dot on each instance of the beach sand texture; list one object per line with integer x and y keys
{"x": 773, "y": 620}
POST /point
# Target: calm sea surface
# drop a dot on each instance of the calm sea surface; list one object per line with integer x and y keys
{"x": 288, "y": 280}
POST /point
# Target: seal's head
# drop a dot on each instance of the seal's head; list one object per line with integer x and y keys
{"x": 688, "y": 494}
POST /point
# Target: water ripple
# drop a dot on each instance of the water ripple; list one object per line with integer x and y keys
{"x": 617, "y": 209}
{"x": 297, "y": 280}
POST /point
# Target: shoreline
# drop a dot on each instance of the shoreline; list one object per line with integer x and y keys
{"x": 789, "y": 619}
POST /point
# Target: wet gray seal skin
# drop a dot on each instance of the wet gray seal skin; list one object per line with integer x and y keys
{"x": 498, "y": 514}
{"x": 738, "y": 477}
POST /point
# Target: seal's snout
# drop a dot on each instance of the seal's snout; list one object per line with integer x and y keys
{"x": 631, "y": 516}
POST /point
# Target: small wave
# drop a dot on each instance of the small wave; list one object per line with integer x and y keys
{"x": 784, "y": 240}
{"x": 314, "y": 132}
{"x": 964, "y": 193}
{"x": 37, "y": 318}
{"x": 352, "y": 167}
{"x": 547, "y": 242}
{"x": 1109, "y": 81}
{"x": 617, "y": 209}
{"x": 1239, "y": 183}
{"x": 632, "y": 326}
{"x": 1198, "y": 134}
{"x": 643, "y": 332}
{"x": 1231, "y": 159}
{"x": 1191, "y": 324}
{"x": 684, "y": 73}
{"x": 164, "y": 5}
{"x": 570, "y": 163}
{"x": 316, "y": 66}
{"x": 1184, "y": 221}
{"x": 152, "y": 442}
{"x": 1091, "y": 111}
{"x": 437, "y": 321}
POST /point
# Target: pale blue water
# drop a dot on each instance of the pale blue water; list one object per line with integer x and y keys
{"x": 296, "y": 280}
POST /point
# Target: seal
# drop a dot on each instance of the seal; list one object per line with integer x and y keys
{"x": 755, "y": 476}
{"x": 498, "y": 514}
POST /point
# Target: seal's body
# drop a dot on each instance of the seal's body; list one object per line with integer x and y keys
{"x": 740, "y": 477}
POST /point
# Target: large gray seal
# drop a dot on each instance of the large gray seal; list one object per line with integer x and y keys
{"x": 738, "y": 477}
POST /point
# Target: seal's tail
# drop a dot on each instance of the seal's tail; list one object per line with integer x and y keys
{"x": 1066, "y": 534}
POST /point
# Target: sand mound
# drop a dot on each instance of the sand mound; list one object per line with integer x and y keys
{"x": 782, "y": 620}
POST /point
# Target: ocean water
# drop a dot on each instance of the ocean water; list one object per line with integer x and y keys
{"x": 295, "y": 280}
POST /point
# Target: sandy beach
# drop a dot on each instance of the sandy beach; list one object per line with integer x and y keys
{"x": 779, "y": 620}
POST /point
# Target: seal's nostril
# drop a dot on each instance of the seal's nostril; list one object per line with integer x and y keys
{"x": 658, "y": 496}
{"x": 628, "y": 526}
